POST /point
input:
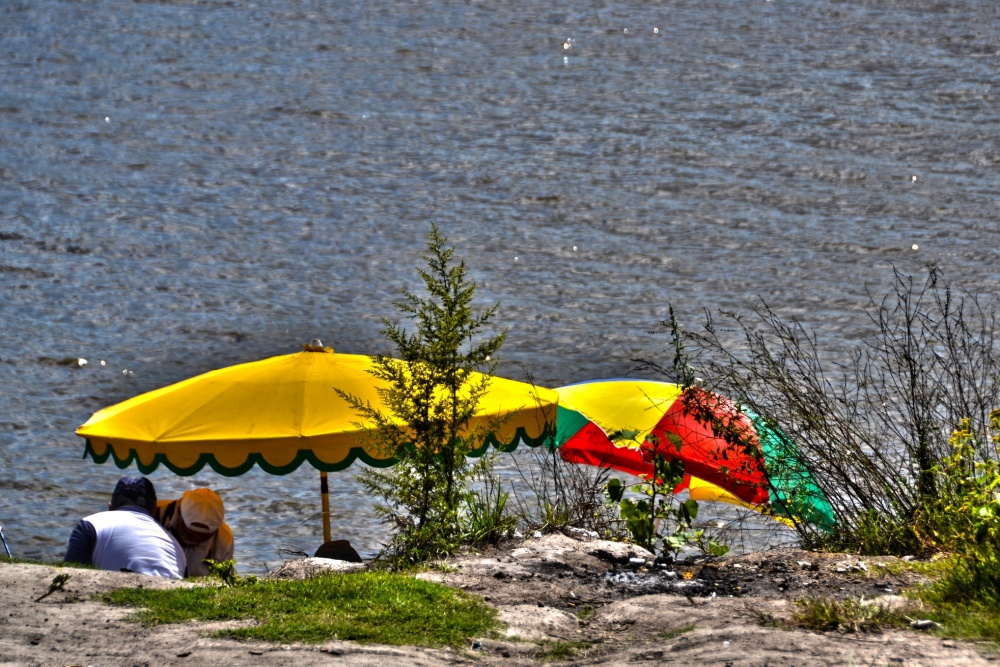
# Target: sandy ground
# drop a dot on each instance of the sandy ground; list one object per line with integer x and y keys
{"x": 557, "y": 591}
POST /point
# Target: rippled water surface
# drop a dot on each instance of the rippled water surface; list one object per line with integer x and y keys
{"x": 185, "y": 185}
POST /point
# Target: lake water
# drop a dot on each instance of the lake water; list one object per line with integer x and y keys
{"x": 186, "y": 185}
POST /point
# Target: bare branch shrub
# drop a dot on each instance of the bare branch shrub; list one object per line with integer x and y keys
{"x": 872, "y": 423}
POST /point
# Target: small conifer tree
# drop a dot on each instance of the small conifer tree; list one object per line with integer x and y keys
{"x": 428, "y": 407}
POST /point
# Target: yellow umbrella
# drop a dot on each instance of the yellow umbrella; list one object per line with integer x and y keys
{"x": 280, "y": 412}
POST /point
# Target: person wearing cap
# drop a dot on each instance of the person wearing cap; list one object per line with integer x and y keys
{"x": 127, "y": 538}
{"x": 196, "y": 520}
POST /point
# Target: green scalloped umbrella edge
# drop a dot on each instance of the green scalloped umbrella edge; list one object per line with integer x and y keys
{"x": 304, "y": 455}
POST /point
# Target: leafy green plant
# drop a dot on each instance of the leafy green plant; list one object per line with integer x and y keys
{"x": 429, "y": 405}
{"x": 225, "y": 570}
{"x": 555, "y": 516}
{"x": 58, "y": 582}
{"x": 964, "y": 518}
{"x": 657, "y": 518}
{"x": 965, "y": 513}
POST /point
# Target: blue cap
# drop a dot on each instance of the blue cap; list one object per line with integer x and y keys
{"x": 134, "y": 491}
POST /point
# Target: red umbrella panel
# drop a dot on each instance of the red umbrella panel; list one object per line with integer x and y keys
{"x": 621, "y": 424}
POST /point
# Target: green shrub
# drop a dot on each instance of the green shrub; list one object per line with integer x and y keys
{"x": 964, "y": 519}
{"x": 554, "y": 495}
{"x": 429, "y": 405}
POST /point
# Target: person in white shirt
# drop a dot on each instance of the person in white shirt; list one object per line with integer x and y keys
{"x": 127, "y": 538}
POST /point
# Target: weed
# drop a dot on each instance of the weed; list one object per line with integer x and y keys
{"x": 554, "y": 495}
{"x": 443, "y": 566}
{"x": 851, "y": 615}
{"x": 486, "y": 518}
{"x": 763, "y": 618}
{"x": 677, "y": 632}
{"x": 559, "y": 650}
{"x": 226, "y": 571}
{"x": 58, "y": 582}
{"x": 971, "y": 620}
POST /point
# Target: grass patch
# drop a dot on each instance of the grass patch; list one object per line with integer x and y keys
{"x": 967, "y": 621}
{"x": 676, "y": 632}
{"x": 932, "y": 569}
{"x": 963, "y": 598}
{"x": 367, "y": 607}
{"x": 851, "y": 615}
{"x": 586, "y": 612}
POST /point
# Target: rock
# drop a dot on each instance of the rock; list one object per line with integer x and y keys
{"x": 924, "y": 624}
{"x": 617, "y": 552}
{"x": 532, "y": 623}
{"x": 304, "y": 568}
{"x": 583, "y": 532}
{"x": 338, "y": 550}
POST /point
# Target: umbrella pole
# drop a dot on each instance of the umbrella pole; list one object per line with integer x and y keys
{"x": 324, "y": 490}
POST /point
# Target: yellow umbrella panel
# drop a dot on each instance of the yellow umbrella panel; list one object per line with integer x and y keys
{"x": 278, "y": 413}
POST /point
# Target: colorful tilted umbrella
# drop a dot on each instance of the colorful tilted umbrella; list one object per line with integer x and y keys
{"x": 730, "y": 453}
{"x": 281, "y": 412}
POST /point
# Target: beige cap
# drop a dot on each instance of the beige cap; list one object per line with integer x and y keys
{"x": 201, "y": 510}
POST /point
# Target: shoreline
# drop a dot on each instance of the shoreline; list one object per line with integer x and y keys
{"x": 564, "y": 599}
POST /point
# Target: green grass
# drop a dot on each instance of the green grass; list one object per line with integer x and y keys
{"x": 850, "y": 615}
{"x": 963, "y": 598}
{"x": 367, "y": 607}
{"x": 966, "y": 621}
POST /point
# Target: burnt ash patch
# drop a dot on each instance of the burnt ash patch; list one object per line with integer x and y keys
{"x": 570, "y": 574}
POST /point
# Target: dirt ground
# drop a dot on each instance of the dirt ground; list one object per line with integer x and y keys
{"x": 565, "y": 600}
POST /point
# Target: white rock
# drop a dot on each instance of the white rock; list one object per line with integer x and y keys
{"x": 304, "y": 568}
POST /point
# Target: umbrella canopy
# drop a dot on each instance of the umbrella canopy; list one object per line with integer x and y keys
{"x": 278, "y": 413}
{"x": 621, "y": 423}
